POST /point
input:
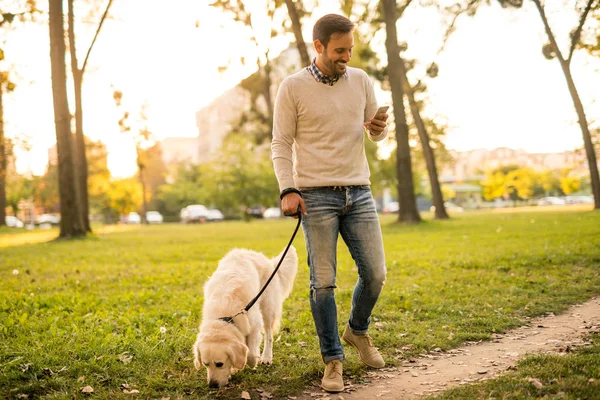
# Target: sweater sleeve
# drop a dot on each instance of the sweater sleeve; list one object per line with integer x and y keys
{"x": 371, "y": 108}
{"x": 284, "y": 132}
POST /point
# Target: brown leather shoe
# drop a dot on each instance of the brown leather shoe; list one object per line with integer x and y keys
{"x": 332, "y": 377}
{"x": 366, "y": 351}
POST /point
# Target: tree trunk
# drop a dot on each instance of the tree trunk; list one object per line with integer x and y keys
{"x": 69, "y": 222}
{"x": 297, "y": 28}
{"x": 141, "y": 166}
{"x": 408, "y": 212}
{"x": 583, "y": 124}
{"x": 144, "y": 201}
{"x": 80, "y": 157}
{"x": 267, "y": 91}
{"x": 436, "y": 191}
{"x": 2, "y": 161}
{"x": 81, "y": 168}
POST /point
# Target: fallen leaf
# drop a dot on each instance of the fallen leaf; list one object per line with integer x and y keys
{"x": 536, "y": 383}
{"x": 125, "y": 359}
{"x": 132, "y": 391}
{"x": 245, "y": 395}
{"x": 87, "y": 389}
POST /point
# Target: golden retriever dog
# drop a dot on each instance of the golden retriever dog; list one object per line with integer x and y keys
{"x": 225, "y": 347}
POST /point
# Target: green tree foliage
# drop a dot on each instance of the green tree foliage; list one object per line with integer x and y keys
{"x": 99, "y": 184}
{"x": 155, "y": 172}
{"x": 11, "y": 13}
{"x": 509, "y": 182}
{"x": 568, "y": 182}
{"x": 125, "y": 195}
{"x": 18, "y": 188}
{"x": 241, "y": 176}
{"x": 259, "y": 84}
{"x": 520, "y": 183}
{"x": 186, "y": 189}
{"x": 46, "y": 190}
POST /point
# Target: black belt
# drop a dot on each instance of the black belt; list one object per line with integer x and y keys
{"x": 341, "y": 188}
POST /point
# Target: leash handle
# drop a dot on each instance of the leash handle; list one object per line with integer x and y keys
{"x": 254, "y": 300}
{"x": 298, "y": 212}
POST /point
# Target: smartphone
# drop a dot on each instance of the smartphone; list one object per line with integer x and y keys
{"x": 380, "y": 110}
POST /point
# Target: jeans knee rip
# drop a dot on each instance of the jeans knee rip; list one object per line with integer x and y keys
{"x": 314, "y": 290}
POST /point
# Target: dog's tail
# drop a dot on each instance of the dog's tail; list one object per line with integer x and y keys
{"x": 287, "y": 271}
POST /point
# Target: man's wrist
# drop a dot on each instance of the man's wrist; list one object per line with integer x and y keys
{"x": 287, "y": 191}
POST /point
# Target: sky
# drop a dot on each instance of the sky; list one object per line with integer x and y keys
{"x": 494, "y": 88}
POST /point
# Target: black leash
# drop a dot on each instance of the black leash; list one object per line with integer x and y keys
{"x": 255, "y": 299}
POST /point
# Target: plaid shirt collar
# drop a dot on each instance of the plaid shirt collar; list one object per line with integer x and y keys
{"x": 321, "y": 77}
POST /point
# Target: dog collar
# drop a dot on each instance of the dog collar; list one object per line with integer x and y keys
{"x": 229, "y": 320}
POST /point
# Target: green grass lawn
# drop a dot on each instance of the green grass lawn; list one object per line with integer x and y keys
{"x": 91, "y": 312}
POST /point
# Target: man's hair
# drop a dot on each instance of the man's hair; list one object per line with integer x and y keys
{"x": 331, "y": 24}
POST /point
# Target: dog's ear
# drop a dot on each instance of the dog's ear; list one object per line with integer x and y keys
{"x": 238, "y": 352}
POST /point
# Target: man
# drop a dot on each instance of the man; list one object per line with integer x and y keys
{"x": 320, "y": 118}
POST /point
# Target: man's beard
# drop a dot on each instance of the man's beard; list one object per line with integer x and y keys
{"x": 336, "y": 67}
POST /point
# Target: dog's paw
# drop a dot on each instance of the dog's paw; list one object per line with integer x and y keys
{"x": 266, "y": 360}
{"x": 252, "y": 360}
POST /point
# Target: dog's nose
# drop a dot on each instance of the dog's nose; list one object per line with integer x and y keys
{"x": 213, "y": 384}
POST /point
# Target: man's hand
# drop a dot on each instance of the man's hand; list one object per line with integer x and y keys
{"x": 377, "y": 124}
{"x": 290, "y": 203}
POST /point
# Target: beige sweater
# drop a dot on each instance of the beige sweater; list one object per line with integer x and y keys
{"x": 318, "y": 131}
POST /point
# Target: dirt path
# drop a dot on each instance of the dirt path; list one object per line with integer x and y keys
{"x": 476, "y": 362}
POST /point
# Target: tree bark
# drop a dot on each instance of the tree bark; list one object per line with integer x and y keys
{"x": 2, "y": 160}
{"x": 297, "y": 28}
{"x": 141, "y": 163}
{"x": 583, "y": 124}
{"x": 436, "y": 191}
{"x": 408, "y": 212}
{"x": 81, "y": 169}
{"x": 69, "y": 222}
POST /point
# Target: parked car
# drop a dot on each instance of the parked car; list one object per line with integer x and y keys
{"x": 450, "y": 207}
{"x": 154, "y": 217}
{"x": 255, "y": 211}
{"x": 391, "y": 207}
{"x": 48, "y": 219}
{"x": 550, "y": 201}
{"x": 194, "y": 213}
{"x": 14, "y": 222}
{"x": 272, "y": 212}
{"x": 579, "y": 200}
{"x": 214, "y": 215}
{"x": 134, "y": 218}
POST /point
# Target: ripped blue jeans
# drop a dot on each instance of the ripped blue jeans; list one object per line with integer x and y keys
{"x": 348, "y": 211}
